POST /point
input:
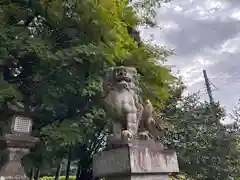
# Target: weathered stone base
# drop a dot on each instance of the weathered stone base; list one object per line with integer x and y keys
{"x": 12, "y": 169}
{"x": 15, "y": 146}
{"x": 139, "y": 177}
{"x": 138, "y": 160}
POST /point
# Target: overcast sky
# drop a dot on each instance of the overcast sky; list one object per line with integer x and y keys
{"x": 205, "y": 35}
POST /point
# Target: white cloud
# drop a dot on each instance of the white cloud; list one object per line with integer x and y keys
{"x": 229, "y": 46}
{"x": 178, "y": 8}
{"x": 203, "y": 62}
{"x": 236, "y": 15}
{"x": 170, "y": 25}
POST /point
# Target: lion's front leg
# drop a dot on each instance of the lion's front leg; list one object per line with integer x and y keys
{"x": 132, "y": 126}
{"x": 117, "y": 129}
{"x": 116, "y": 135}
{"x": 132, "y": 123}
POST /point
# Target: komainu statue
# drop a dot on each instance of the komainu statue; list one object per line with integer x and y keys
{"x": 130, "y": 118}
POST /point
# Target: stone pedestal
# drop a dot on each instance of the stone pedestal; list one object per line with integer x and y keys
{"x": 15, "y": 146}
{"x": 137, "y": 160}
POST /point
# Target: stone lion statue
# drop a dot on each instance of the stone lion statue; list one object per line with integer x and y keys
{"x": 130, "y": 118}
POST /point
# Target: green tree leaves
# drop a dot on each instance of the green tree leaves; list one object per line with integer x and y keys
{"x": 206, "y": 148}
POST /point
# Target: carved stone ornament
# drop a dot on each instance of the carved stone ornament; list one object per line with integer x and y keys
{"x": 21, "y": 124}
{"x": 130, "y": 118}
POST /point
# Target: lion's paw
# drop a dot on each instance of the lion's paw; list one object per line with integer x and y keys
{"x": 127, "y": 135}
{"x": 144, "y": 135}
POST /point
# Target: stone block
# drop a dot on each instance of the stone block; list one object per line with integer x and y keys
{"x": 136, "y": 160}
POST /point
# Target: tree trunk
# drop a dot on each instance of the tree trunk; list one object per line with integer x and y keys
{"x": 69, "y": 162}
{"x": 86, "y": 174}
{"x": 31, "y": 174}
{"x": 78, "y": 170}
{"x": 58, "y": 170}
{"x": 37, "y": 175}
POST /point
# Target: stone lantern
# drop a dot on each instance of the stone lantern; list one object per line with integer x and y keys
{"x": 15, "y": 141}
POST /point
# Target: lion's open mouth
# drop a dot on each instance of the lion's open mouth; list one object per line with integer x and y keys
{"x": 123, "y": 79}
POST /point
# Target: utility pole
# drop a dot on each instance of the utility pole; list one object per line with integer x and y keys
{"x": 209, "y": 90}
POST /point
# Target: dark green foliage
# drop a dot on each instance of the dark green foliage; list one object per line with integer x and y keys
{"x": 206, "y": 148}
